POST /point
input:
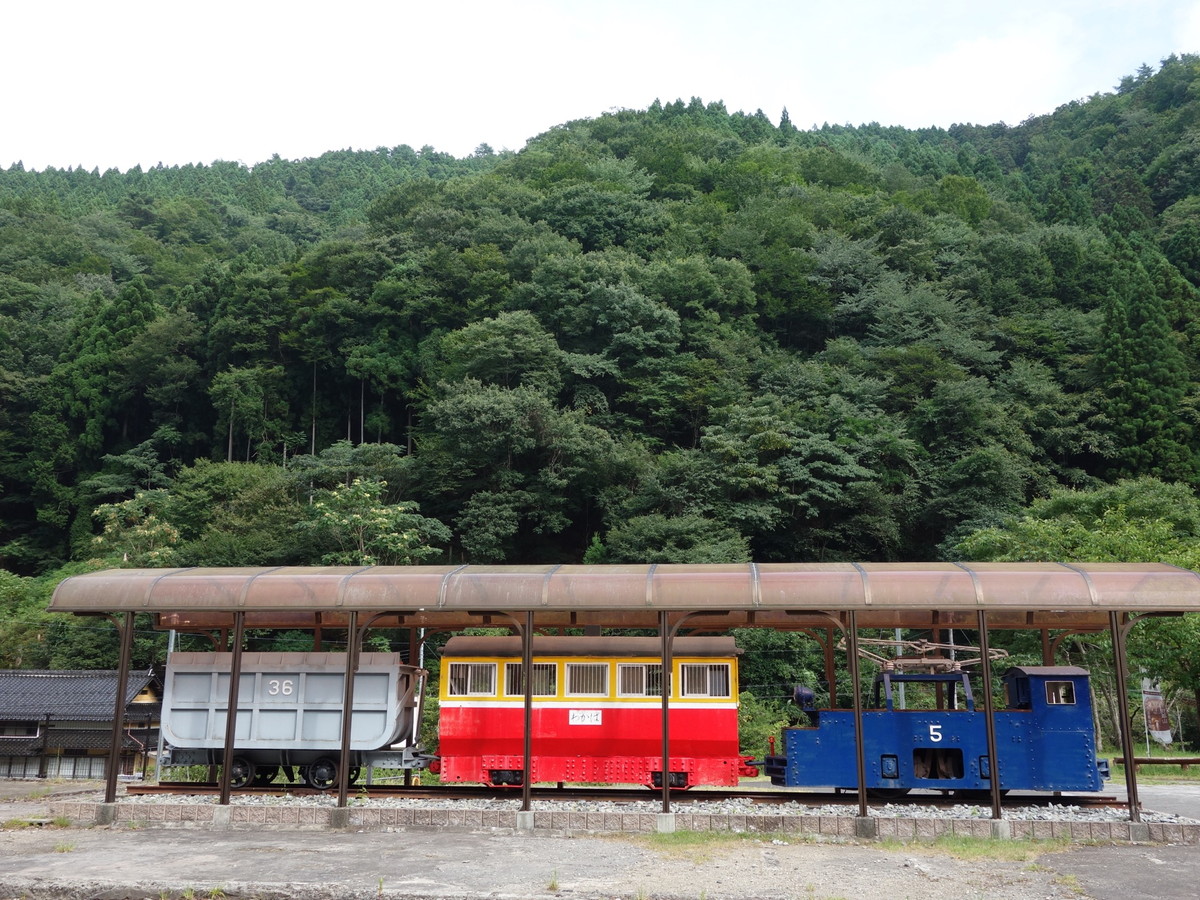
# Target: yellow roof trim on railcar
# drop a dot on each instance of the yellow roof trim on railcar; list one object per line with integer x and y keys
{"x": 577, "y": 646}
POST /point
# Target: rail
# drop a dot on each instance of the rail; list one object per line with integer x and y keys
{"x": 574, "y": 793}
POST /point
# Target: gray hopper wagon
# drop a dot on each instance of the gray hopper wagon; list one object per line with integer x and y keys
{"x": 289, "y": 714}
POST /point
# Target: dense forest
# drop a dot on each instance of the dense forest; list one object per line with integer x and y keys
{"x": 671, "y": 334}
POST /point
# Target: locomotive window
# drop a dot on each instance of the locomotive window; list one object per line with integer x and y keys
{"x": 637, "y": 680}
{"x": 705, "y": 679}
{"x": 545, "y": 680}
{"x": 1060, "y": 692}
{"x": 472, "y": 679}
{"x": 587, "y": 679}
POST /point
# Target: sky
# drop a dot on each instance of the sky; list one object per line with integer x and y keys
{"x": 139, "y": 82}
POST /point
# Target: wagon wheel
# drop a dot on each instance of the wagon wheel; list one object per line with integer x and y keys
{"x": 264, "y": 775}
{"x": 241, "y": 772}
{"x": 355, "y": 772}
{"x": 322, "y": 774}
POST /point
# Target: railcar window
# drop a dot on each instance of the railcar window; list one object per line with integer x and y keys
{"x": 705, "y": 679}
{"x": 544, "y": 677}
{"x": 639, "y": 680}
{"x": 472, "y": 679}
{"x": 587, "y": 679}
{"x": 1060, "y": 692}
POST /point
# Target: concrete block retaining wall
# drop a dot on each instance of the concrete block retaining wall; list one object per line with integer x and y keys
{"x": 828, "y": 827}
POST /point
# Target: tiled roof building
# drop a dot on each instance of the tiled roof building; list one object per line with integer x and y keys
{"x": 59, "y": 723}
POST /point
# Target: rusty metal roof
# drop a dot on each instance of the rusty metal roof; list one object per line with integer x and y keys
{"x": 1014, "y": 594}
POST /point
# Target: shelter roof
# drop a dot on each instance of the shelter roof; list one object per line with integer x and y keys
{"x": 1018, "y": 595}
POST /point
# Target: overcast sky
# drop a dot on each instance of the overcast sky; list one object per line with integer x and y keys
{"x": 130, "y": 82}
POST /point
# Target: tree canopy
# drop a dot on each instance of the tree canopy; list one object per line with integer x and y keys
{"x": 661, "y": 334}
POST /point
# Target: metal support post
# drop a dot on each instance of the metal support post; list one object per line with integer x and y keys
{"x": 118, "y": 729}
{"x": 664, "y": 631}
{"x": 859, "y": 748}
{"x": 235, "y": 678}
{"x": 1121, "y": 668}
{"x": 353, "y": 642}
{"x": 527, "y": 683}
{"x": 989, "y": 715}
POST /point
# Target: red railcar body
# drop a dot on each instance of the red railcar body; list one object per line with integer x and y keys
{"x": 597, "y": 711}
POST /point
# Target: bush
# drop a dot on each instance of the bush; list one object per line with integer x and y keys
{"x": 758, "y": 720}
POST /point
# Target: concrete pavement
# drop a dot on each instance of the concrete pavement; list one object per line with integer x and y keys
{"x": 121, "y": 863}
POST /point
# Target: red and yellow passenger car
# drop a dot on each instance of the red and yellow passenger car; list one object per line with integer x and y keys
{"x": 597, "y": 711}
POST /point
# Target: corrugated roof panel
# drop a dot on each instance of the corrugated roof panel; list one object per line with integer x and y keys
{"x": 692, "y": 588}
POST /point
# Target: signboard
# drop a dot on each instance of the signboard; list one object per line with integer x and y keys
{"x": 1154, "y": 708}
{"x": 584, "y": 717}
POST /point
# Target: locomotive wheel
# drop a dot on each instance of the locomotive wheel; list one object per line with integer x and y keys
{"x": 264, "y": 775}
{"x": 241, "y": 772}
{"x": 355, "y": 771}
{"x": 322, "y": 774}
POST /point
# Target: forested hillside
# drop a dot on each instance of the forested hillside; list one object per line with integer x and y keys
{"x": 678, "y": 333}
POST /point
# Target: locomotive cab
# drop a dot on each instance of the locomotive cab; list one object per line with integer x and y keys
{"x": 1042, "y": 687}
{"x": 1059, "y": 700}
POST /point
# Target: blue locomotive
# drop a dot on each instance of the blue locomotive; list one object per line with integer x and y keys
{"x": 1045, "y": 737}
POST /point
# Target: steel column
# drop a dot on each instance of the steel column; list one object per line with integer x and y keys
{"x": 412, "y": 661}
{"x": 118, "y": 729}
{"x": 527, "y": 676}
{"x": 860, "y": 750}
{"x": 989, "y": 715}
{"x": 664, "y": 631}
{"x": 235, "y": 677}
{"x": 353, "y": 645}
{"x": 1121, "y": 668}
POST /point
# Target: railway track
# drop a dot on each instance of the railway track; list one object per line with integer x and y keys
{"x": 452, "y": 793}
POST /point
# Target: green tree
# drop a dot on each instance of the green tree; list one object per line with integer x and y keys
{"x": 1140, "y": 520}
{"x": 141, "y": 467}
{"x": 656, "y": 538}
{"x": 356, "y": 528}
{"x": 509, "y": 350}
{"x": 238, "y": 514}
{"x": 134, "y": 532}
{"x": 509, "y": 468}
{"x": 247, "y": 402}
{"x": 1144, "y": 380}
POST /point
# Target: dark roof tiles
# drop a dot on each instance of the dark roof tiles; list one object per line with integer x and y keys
{"x": 31, "y": 694}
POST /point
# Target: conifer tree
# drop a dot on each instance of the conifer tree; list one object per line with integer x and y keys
{"x": 1143, "y": 377}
